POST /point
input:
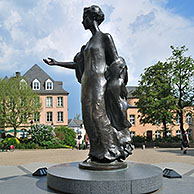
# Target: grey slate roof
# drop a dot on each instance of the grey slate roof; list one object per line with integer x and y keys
{"x": 35, "y": 72}
{"x": 130, "y": 90}
{"x": 74, "y": 123}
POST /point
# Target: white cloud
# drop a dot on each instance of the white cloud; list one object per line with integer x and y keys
{"x": 142, "y": 30}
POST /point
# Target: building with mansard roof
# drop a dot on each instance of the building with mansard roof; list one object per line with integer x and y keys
{"x": 52, "y": 97}
{"x": 154, "y": 131}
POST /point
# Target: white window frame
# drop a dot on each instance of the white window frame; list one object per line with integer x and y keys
{"x": 60, "y": 116}
{"x": 157, "y": 134}
{"x": 48, "y": 84}
{"x": 132, "y": 119}
{"x": 132, "y": 133}
{"x": 23, "y": 84}
{"x": 37, "y": 117}
{"x": 189, "y": 119}
{"x": 189, "y": 132}
{"x": 49, "y": 101}
{"x": 23, "y": 134}
{"x": 24, "y": 118}
{"x": 49, "y": 116}
{"x": 36, "y": 85}
{"x": 169, "y": 134}
{"x": 177, "y": 119}
{"x": 60, "y": 101}
{"x": 23, "y": 81}
{"x": 178, "y": 133}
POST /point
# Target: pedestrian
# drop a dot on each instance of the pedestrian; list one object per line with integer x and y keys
{"x": 185, "y": 142}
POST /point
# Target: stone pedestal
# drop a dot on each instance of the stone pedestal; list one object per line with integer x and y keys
{"x": 135, "y": 179}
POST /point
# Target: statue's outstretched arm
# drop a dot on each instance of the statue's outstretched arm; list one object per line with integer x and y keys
{"x": 51, "y": 61}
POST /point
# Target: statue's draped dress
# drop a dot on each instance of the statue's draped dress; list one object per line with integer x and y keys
{"x": 103, "y": 112}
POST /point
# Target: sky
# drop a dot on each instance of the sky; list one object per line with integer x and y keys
{"x": 142, "y": 30}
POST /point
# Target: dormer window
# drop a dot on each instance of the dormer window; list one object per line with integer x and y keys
{"x": 49, "y": 85}
{"x": 36, "y": 85}
{"x": 23, "y": 81}
{"x": 23, "y": 84}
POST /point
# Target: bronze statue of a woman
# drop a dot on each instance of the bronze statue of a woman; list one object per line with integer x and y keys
{"x": 103, "y": 77}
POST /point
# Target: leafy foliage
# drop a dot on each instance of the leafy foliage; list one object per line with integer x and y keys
{"x": 165, "y": 89}
{"x": 156, "y": 101}
{"x": 41, "y": 134}
{"x": 169, "y": 139}
{"x": 11, "y": 141}
{"x": 182, "y": 73}
{"x": 77, "y": 116}
{"x": 67, "y": 135}
{"x": 16, "y": 102}
{"x": 138, "y": 139}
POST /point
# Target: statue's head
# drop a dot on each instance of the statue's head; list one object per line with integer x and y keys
{"x": 92, "y": 13}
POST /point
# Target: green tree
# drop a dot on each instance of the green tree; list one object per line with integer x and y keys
{"x": 67, "y": 135}
{"x": 3, "y": 84}
{"x": 41, "y": 133}
{"x": 156, "y": 101}
{"x": 18, "y": 102}
{"x": 77, "y": 116}
{"x": 182, "y": 73}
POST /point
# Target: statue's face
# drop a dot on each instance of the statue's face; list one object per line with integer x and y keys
{"x": 87, "y": 21}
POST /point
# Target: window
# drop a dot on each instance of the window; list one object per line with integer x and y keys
{"x": 23, "y": 133}
{"x": 157, "y": 134}
{"x": 36, "y": 101}
{"x": 132, "y": 119}
{"x": 11, "y": 103}
{"x": 49, "y": 117}
{"x": 37, "y": 117}
{"x": 189, "y": 118}
{"x": 36, "y": 85}
{"x": 60, "y": 101}
{"x": 132, "y": 134}
{"x": 23, "y": 118}
{"x": 168, "y": 133}
{"x": 49, "y": 85}
{"x": 189, "y": 132}
{"x": 177, "y": 119}
{"x": 23, "y": 84}
{"x": 49, "y": 101}
{"x": 23, "y": 81}
{"x": 60, "y": 116}
{"x": 178, "y": 133}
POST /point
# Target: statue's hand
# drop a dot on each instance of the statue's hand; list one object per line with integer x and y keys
{"x": 50, "y": 61}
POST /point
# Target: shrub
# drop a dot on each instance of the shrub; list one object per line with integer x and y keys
{"x": 27, "y": 145}
{"x": 11, "y": 141}
{"x": 41, "y": 134}
{"x": 67, "y": 135}
{"x": 169, "y": 139}
{"x": 138, "y": 139}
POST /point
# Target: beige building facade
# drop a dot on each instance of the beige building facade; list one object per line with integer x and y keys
{"x": 53, "y": 99}
{"x": 155, "y": 131}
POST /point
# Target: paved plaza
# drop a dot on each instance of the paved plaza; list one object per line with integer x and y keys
{"x": 16, "y": 168}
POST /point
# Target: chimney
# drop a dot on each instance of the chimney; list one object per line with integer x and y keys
{"x": 18, "y": 74}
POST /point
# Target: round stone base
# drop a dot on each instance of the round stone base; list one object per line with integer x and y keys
{"x": 135, "y": 179}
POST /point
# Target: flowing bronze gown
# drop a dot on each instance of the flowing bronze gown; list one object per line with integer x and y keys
{"x": 103, "y": 77}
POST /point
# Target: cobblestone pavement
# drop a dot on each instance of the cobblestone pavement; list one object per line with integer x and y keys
{"x": 16, "y": 168}
{"x": 148, "y": 156}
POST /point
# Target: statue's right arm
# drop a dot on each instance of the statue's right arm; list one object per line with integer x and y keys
{"x": 51, "y": 61}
